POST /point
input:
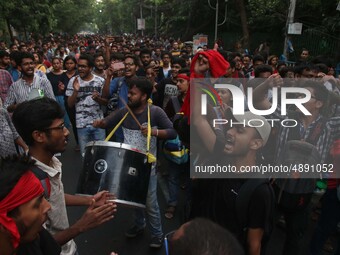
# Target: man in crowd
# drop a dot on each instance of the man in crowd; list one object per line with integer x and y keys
{"x": 140, "y": 90}
{"x": 85, "y": 93}
{"x": 145, "y": 58}
{"x": 117, "y": 89}
{"x": 167, "y": 87}
{"x": 29, "y": 86}
{"x": 13, "y": 68}
{"x": 99, "y": 65}
{"x": 4, "y": 60}
{"x": 217, "y": 199}
{"x": 175, "y": 51}
{"x": 304, "y": 57}
{"x": 41, "y": 125}
{"x": 315, "y": 129}
{"x": 23, "y": 210}
{"x": 165, "y": 68}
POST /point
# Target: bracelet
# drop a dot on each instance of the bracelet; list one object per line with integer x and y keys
{"x": 157, "y": 132}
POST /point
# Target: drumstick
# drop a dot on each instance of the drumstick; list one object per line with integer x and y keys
{"x": 133, "y": 116}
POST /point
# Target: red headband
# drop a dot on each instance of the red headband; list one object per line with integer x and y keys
{"x": 183, "y": 76}
{"x": 27, "y": 188}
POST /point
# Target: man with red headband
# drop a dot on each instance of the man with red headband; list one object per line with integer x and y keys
{"x": 23, "y": 210}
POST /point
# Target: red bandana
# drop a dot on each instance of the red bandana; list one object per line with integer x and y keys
{"x": 27, "y": 188}
{"x": 183, "y": 76}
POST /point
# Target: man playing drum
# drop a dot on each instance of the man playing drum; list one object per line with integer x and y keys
{"x": 135, "y": 134}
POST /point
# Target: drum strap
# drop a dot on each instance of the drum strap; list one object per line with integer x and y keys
{"x": 151, "y": 158}
{"x": 116, "y": 127}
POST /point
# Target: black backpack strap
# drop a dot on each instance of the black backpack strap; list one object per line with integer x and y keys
{"x": 44, "y": 180}
{"x": 243, "y": 200}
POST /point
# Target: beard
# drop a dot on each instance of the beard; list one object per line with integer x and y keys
{"x": 134, "y": 105}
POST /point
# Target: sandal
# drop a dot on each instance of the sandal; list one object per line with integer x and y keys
{"x": 170, "y": 211}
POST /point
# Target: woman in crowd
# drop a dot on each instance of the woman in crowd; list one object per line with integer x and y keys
{"x": 55, "y": 77}
{"x": 70, "y": 65}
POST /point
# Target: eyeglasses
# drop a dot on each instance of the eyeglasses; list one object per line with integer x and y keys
{"x": 298, "y": 95}
{"x": 168, "y": 237}
{"x": 61, "y": 127}
{"x": 82, "y": 66}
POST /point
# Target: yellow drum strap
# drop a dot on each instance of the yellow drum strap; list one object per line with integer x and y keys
{"x": 151, "y": 158}
{"x": 116, "y": 127}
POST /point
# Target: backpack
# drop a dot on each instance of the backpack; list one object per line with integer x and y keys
{"x": 173, "y": 149}
{"x": 112, "y": 104}
{"x": 243, "y": 200}
{"x": 296, "y": 193}
{"x": 44, "y": 180}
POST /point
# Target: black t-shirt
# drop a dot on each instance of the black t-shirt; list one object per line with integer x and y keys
{"x": 166, "y": 89}
{"x": 44, "y": 244}
{"x": 55, "y": 79}
{"x": 216, "y": 199}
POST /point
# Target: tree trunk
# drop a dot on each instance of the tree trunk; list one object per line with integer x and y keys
{"x": 9, "y": 29}
{"x": 244, "y": 23}
{"x": 187, "y": 30}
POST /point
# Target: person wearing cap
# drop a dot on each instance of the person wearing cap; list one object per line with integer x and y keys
{"x": 23, "y": 210}
{"x": 215, "y": 199}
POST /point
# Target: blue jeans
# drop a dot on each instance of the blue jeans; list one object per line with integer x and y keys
{"x": 61, "y": 102}
{"x": 89, "y": 134}
{"x": 175, "y": 171}
{"x": 152, "y": 210}
{"x": 327, "y": 224}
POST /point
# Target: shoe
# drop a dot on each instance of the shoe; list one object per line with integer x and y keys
{"x": 170, "y": 211}
{"x": 156, "y": 242}
{"x": 134, "y": 231}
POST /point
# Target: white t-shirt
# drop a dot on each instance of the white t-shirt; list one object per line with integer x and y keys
{"x": 87, "y": 110}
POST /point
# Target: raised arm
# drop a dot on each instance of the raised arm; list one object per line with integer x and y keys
{"x": 260, "y": 93}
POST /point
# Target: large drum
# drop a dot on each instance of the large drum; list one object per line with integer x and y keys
{"x": 118, "y": 168}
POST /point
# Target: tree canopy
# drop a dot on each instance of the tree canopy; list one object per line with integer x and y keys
{"x": 244, "y": 18}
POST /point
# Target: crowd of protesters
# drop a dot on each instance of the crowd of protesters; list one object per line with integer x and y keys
{"x": 51, "y": 85}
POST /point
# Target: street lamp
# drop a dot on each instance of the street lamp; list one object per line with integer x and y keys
{"x": 216, "y": 15}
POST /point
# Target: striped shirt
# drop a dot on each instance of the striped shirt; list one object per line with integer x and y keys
{"x": 330, "y": 132}
{"x": 21, "y": 91}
